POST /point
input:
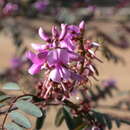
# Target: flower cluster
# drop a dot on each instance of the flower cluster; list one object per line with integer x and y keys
{"x": 67, "y": 59}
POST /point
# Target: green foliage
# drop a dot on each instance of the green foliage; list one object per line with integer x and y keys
{"x": 72, "y": 122}
{"x": 40, "y": 120}
{"x": 20, "y": 119}
{"x": 1, "y": 105}
{"x": 107, "y": 120}
{"x": 59, "y": 117}
{"x": 29, "y": 108}
{"x": 13, "y": 126}
{"x": 11, "y": 86}
{"x": 100, "y": 93}
{"x": 4, "y": 97}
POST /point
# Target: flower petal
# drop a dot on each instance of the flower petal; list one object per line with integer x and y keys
{"x": 74, "y": 56}
{"x": 55, "y": 75}
{"x": 43, "y": 35}
{"x": 75, "y": 76}
{"x": 74, "y": 28}
{"x": 39, "y": 47}
{"x": 63, "y": 56}
{"x": 34, "y": 69}
{"x": 52, "y": 57}
{"x": 63, "y": 31}
{"x": 65, "y": 74}
{"x": 82, "y": 25}
{"x": 31, "y": 56}
{"x": 67, "y": 43}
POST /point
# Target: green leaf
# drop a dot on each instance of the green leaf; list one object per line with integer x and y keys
{"x": 2, "y": 105}
{"x": 118, "y": 123}
{"x": 99, "y": 117}
{"x": 68, "y": 118}
{"x": 59, "y": 117}
{"x": 20, "y": 119}
{"x": 26, "y": 98}
{"x": 71, "y": 122}
{"x": 4, "y": 97}
{"x": 40, "y": 120}
{"x": 11, "y": 86}
{"x": 13, "y": 126}
{"x": 108, "y": 122}
{"x": 2, "y": 93}
{"x": 125, "y": 121}
{"x": 29, "y": 108}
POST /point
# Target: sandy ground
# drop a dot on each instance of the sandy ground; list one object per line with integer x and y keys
{"x": 119, "y": 72}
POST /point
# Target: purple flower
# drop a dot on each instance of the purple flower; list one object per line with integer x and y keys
{"x": 41, "y": 5}
{"x": 55, "y": 59}
{"x": 66, "y": 38}
{"x": 109, "y": 83}
{"x": 66, "y": 57}
{"x": 10, "y": 8}
{"x": 57, "y": 53}
{"x": 16, "y": 62}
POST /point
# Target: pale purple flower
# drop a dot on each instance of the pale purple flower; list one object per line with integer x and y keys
{"x": 58, "y": 59}
{"x": 16, "y": 62}
{"x": 41, "y": 5}
{"x": 109, "y": 83}
{"x": 57, "y": 53}
{"x": 10, "y": 8}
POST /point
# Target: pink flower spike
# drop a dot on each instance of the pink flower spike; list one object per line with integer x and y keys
{"x": 82, "y": 25}
{"x": 43, "y": 35}
{"x": 63, "y": 31}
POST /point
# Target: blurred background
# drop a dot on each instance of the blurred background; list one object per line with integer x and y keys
{"x": 107, "y": 22}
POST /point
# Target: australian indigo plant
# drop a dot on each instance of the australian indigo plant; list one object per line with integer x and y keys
{"x": 67, "y": 62}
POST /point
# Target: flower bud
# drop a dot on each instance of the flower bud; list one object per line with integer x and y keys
{"x": 43, "y": 35}
{"x": 63, "y": 31}
{"x": 55, "y": 33}
{"x": 82, "y": 25}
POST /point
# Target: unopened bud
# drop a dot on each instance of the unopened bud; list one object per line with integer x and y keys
{"x": 43, "y": 35}
{"x": 82, "y": 25}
